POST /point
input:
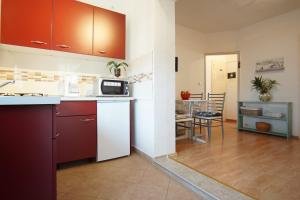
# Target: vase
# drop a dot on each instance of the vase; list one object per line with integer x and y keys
{"x": 266, "y": 97}
{"x": 117, "y": 72}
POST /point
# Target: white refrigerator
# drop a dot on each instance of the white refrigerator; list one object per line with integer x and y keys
{"x": 113, "y": 129}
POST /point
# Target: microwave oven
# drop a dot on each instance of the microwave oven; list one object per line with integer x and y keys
{"x": 111, "y": 87}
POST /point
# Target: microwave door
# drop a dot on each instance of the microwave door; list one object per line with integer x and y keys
{"x": 111, "y": 88}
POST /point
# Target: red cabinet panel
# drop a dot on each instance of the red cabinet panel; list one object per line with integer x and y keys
{"x": 109, "y": 33}
{"x": 27, "y": 23}
{"x": 76, "y": 108}
{"x": 77, "y": 138}
{"x": 26, "y": 152}
{"x": 73, "y": 27}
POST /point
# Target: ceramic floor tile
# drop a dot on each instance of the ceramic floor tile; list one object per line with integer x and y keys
{"x": 129, "y": 178}
{"x": 176, "y": 191}
{"x": 148, "y": 192}
{"x": 154, "y": 176}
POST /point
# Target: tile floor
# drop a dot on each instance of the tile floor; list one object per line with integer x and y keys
{"x": 129, "y": 178}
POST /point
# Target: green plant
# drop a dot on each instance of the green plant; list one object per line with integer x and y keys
{"x": 263, "y": 86}
{"x": 116, "y": 65}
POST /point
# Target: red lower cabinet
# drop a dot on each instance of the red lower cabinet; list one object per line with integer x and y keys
{"x": 76, "y": 131}
{"x": 27, "y": 156}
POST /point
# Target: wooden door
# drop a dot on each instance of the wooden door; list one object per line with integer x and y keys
{"x": 109, "y": 34}
{"x": 73, "y": 27}
{"x": 26, "y": 23}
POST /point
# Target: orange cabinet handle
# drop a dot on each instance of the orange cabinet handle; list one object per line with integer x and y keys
{"x": 102, "y": 52}
{"x": 37, "y": 42}
{"x": 63, "y": 46}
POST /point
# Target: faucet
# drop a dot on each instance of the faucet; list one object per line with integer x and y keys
{"x": 7, "y": 82}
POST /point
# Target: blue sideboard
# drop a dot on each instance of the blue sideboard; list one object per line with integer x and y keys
{"x": 277, "y": 114}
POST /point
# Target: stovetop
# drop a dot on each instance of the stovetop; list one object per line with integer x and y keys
{"x": 23, "y": 94}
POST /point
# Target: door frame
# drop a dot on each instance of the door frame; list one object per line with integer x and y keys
{"x": 238, "y": 69}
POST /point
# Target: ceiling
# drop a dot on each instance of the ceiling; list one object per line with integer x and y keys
{"x": 210, "y": 16}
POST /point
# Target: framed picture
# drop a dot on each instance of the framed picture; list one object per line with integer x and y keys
{"x": 270, "y": 65}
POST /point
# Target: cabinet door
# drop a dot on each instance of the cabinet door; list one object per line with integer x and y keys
{"x": 26, "y": 23}
{"x": 73, "y": 27}
{"x": 77, "y": 138}
{"x": 109, "y": 34}
{"x": 26, "y": 152}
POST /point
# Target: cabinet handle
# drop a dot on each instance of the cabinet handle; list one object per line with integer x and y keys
{"x": 58, "y": 113}
{"x": 57, "y": 134}
{"x": 102, "y": 52}
{"x": 86, "y": 120}
{"x": 63, "y": 46}
{"x": 38, "y": 42}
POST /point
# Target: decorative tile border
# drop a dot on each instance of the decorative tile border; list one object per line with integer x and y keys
{"x": 42, "y": 76}
{"x": 140, "y": 78}
{"x": 55, "y": 76}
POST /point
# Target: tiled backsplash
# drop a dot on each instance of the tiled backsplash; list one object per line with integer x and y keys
{"x": 39, "y": 81}
{"x": 53, "y": 82}
{"x": 44, "y": 76}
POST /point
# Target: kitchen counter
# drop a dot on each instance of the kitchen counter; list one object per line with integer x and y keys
{"x": 46, "y": 100}
{"x": 29, "y": 100}
{"x": 97, "y": 98}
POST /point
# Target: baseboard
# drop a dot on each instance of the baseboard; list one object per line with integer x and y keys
{"x": 141, "y": 153}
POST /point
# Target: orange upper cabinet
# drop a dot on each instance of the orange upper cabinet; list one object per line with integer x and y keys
{"x": 109, "y": 34}
{"x": 26, "y": 23}
{"x": 73, "y": 27}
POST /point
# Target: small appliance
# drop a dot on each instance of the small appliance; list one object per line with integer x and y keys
{"x": 111, "y": 87}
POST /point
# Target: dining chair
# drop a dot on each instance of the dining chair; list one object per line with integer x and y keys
{"x": 196, "y": 96}
{"x": 213, "y": 116}
{"x": 184, "y": 118}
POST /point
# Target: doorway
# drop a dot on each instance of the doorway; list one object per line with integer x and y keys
{"x": 221, "y": 76}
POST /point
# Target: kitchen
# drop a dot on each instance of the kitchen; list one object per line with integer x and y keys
{"x": 53, "y": 71}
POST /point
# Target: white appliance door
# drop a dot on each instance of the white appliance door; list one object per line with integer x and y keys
{"x": 113, "y": 136}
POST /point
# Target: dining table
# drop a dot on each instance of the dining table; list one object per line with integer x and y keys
{"x": 192, "y": 105}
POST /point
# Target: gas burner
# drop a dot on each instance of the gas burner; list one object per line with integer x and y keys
{"x": 23, "y": 94}
{"x": 8, "y": 94}
{"x": 31, "y": 94}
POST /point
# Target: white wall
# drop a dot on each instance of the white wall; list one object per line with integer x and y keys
{"x": 190, "y": 51}
{"x": 141, "y": 61}
{"x": 164, "y": 77}
{"x": 221, "y": 42}
{"x": 154, "y": 52}
{"x": 275, "y": 37}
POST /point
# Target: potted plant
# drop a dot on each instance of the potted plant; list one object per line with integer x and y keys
{"x": 116, "y": 67}
{"x": 263, "y": 87}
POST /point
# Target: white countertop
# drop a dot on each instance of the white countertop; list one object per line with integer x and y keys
{"x": 28, "y": 100}
{"x": 97, "y": 98}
